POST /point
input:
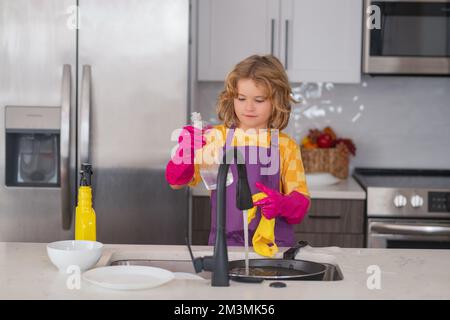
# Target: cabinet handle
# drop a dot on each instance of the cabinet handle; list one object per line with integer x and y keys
{"x": 272, "y": 35}
{"x": 286, "y": 44}
{"x": 324, "y": 216}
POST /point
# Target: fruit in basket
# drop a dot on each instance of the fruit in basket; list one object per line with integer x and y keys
{"x": 325, "y": 141}
{"x": 307, "y": 143}
{"x": 331, "y": 132}
{"x": 324, "y": 151}
{"x": 313, "y": 135}
{"x": 348, "y": 144}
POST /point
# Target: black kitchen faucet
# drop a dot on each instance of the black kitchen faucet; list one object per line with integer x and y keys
{"x": 218, "y": 263}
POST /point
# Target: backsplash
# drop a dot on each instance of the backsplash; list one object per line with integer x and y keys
{"x": 395, "y": 122}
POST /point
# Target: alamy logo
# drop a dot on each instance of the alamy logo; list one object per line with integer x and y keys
{"x": 73, "y": 21}
{"x": 373, "y": 17}
{"x": 374, "y": 280}
{"x": 73, "y": 282}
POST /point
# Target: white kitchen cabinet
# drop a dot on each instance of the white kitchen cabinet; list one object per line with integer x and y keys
{"x": 321, "y": 40}
{"x": 316, "y": 40}
{"x": 231, "y": 30}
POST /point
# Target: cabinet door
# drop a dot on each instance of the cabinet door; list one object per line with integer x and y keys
{"x": 231, "y": 30}
{"x": 321, "y": 40}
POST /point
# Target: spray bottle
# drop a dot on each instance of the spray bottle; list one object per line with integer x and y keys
{"x": 209, "y": 167}
{"x": 85, "y": 224}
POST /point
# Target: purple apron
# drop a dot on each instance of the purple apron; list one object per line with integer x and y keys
{"x": 284, "y": 232}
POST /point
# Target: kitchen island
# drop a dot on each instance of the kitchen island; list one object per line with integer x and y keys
{"x": 27, "y": 273}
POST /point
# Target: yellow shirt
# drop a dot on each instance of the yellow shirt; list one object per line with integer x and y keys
{"x": 292, "y": 173}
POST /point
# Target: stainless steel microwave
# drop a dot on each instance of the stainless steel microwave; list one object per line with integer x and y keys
{"x": 407, "y": 37}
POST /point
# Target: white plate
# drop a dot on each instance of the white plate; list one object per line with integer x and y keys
{"x": 187, "y": 276}
{"x": 128, "y": 277}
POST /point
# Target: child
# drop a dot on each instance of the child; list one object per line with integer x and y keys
{"x": 256, "y": 98}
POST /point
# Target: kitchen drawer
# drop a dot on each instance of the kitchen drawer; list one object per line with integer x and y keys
{"x": 201, "y": 213}
{"x": 332, "y": 239}
{"x": 201, "y": 220}
{"x": 200, "y": 237}
{"x": 334, "y": 216}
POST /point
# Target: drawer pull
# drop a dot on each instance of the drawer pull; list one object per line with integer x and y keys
{"x": 324, "y": 217}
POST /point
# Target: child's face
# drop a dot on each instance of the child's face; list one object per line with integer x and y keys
{"x": 252, "y": 106}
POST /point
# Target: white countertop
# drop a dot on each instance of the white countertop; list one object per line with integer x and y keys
{"x": 346, "y": 189}
{"x": 27, "y": 273}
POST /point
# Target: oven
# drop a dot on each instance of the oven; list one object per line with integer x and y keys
{"x": 406, "y": 208}
{"x": 407, "y": 37}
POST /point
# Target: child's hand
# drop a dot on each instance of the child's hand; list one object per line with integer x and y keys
{"x": 293, "y": 207}
{"x": 270, "y": 205}
{"x": 180, "y": 169}
{"x": 189, "y": 140}
{"x": 192, "y": 138}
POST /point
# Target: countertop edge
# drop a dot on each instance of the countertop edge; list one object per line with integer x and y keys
{"x": 27, "y": 273}
{"x": 348, "y": 189}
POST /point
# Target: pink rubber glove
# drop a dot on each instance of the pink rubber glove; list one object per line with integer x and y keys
{"x": 293, "y": 207}
{"x": 180, "y": 169}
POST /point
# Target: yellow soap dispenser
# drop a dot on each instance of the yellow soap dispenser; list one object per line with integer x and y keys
{"x": 85, "y": 224}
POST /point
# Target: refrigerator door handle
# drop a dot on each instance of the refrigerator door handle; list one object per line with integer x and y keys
{"x": 85, "y": 114}
{"x": 66, "y": 96}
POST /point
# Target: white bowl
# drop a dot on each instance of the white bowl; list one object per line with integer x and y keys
{"x": 321, "y": 179}
{"x": 79, "y": 253}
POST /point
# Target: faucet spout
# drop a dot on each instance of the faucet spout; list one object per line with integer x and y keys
{"x": 220, "y": 276}
{"x": 244, "y": 201}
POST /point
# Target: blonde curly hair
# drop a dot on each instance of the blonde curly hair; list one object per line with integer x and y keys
{"x": 268, "y": 72}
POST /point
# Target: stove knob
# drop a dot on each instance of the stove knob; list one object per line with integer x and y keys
{"x": 400, "y": 201}
{"x": 416, "y": 201}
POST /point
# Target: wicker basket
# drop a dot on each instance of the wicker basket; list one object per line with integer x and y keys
{"x": 332, "y": 160}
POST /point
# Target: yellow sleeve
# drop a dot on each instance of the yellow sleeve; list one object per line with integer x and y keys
{"x": 196, "y": 179}
{"x": 292, "y": 172}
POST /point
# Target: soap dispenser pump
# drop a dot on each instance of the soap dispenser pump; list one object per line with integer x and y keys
{"x": 85, "y": 221}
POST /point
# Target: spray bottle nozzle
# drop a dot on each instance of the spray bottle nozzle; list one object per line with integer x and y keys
{"x": 86, "y": 173}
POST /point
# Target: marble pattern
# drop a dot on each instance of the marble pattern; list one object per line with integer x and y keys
{"x": 27, "y": 273}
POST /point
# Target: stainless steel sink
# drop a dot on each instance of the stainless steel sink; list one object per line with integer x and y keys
{"x": 332, "y": 273}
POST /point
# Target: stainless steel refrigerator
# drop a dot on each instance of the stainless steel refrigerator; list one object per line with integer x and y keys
{"x": 96, "y": 81}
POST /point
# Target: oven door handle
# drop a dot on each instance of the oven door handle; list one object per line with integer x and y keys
{"x": 408, "y": 229}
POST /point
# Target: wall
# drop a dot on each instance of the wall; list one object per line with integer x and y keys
{"x": 395, "y": 122}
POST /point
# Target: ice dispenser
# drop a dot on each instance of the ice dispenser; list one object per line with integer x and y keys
{"x": 32, "y": 146}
